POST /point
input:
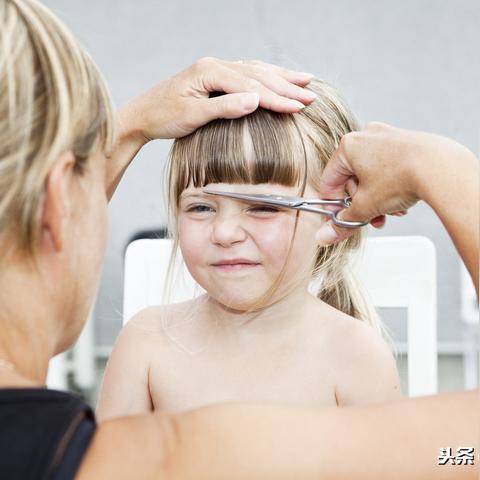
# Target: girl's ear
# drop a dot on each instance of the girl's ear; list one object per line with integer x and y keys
{"x": 57, "y": 202}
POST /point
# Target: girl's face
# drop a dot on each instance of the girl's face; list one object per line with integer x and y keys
{"x": 235, "y": 250}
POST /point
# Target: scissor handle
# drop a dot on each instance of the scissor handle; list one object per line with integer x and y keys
{"x": 345, "y": 223}
{"x": 343, "y": 202}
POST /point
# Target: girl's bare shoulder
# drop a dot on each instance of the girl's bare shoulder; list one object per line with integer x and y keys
{"x": 162, "y": 328}
{"x": 143, "y": 333}
{"x": 344, "y": 333}
{"x": 329, "y": 320}
{"x": 154, "y": 318}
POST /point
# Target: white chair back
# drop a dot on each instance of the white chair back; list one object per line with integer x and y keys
{"x": 397, "y": 272}
{"x": 400, "y": 272}
{"x": 79, "y": 360}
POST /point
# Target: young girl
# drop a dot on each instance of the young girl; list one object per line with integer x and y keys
{"x": 259, "y": 333}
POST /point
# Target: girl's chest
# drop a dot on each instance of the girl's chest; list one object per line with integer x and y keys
{"x": 285, "y": 374}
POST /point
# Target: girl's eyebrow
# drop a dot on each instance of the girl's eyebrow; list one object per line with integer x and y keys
{"x": 188, "y": 195}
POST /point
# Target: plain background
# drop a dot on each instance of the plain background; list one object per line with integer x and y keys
{"x": 413, "y": 64}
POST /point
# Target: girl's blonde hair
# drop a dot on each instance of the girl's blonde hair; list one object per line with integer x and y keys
{"x": 52, "y": 100}
{"x": 216, "y": 153}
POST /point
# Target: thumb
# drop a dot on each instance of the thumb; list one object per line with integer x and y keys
{"x": 232, "y": 105}
{"x": 329, "y": 233}
{"x": 360, "y": 210}
{"x": 336, "y": 177}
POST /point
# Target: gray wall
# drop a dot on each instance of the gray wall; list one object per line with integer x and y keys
{"x": 412, "y": 63}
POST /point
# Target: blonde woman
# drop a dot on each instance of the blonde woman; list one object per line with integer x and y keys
{"x": 60, "y": 160}
{"x": 257, "y": 334}
{"x": 55, "y": 178}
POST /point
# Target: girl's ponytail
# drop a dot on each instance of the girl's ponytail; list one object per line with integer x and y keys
{"x": 338, "y": 287}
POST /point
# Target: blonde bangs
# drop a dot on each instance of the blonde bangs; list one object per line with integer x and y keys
{"x": 263, "y": 147}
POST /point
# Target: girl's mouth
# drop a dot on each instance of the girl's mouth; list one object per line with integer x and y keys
{"x": 235, "y": 264}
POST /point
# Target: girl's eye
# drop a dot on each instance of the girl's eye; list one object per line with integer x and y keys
{"x": 199, "y": 209}
{"x": 264, "y": 209}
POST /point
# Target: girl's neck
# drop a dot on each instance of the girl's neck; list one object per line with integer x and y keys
{"x": 277, "y": 316}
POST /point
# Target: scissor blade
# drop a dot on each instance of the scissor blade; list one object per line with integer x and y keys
{"x": 297, "y": 203}
{"x": 279, "y": 200}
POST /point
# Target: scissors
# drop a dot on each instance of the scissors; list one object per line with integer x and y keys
{"x": 297, "y": 203}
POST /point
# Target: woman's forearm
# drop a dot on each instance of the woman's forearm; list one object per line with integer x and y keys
{"x": 399, "y": 440}
{"x": 390, "y": 169}
{"x": 448, "y": 180}
{"x": 129, "y": 140}
{"x": 408, "y": 439}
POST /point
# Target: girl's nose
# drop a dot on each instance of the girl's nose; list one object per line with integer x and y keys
{"x": 227, "y": 230}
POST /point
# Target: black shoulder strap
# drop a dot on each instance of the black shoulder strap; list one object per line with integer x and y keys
{"x": 43, "y": 433}
{"x": 70, "y": 454}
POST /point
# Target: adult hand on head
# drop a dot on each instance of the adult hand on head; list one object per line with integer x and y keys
{"x": 376, "y": 166}
{"x": 177, "y": 106}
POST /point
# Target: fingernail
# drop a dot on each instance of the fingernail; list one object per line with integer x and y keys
{"x": 310, "y": 95}
{"x": 326, "y": 235}
{"x": 296, "y": 104}
{"x": 308, "y": 75}
{"x": 250, "y": 101}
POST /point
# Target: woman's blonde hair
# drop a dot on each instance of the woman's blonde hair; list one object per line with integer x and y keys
{"x": 52, "y": 100}
{"x": 216, "y": 153}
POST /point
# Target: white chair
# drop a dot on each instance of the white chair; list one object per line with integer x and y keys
{"x": 397, "y": 272}
{"x": 80, "y": 361}
{"x": 57, "y": 378}
{"x": 400, "y": 272}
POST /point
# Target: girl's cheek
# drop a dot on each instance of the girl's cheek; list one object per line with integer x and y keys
{"x": 192, "y": 239}
{"x": 274, "y": 238}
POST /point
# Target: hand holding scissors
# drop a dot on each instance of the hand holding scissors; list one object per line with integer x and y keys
{"x": 298, "y": 203}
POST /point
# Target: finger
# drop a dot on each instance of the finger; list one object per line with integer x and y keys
{"x": 351, "y": 186}
{"x": 399, "y": 213}
{"x": 233, "y": 105}
{"x": 298, "y": 78}
{"x": 271, "y": 79}
{"x": 223, "y": 79}
{"x": 359, "y": 210}
{"x": 293, "y": 76}
{"x": 329, "y": 234}
{"x": 378, "y": 222}
{"x": 336, "y": 178}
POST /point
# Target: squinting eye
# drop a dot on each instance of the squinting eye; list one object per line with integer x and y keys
{"x": 264, "y": 209}
{"x": 200, "y": 209}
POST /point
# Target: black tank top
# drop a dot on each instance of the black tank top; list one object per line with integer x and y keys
{"x": 44, "y": 434}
